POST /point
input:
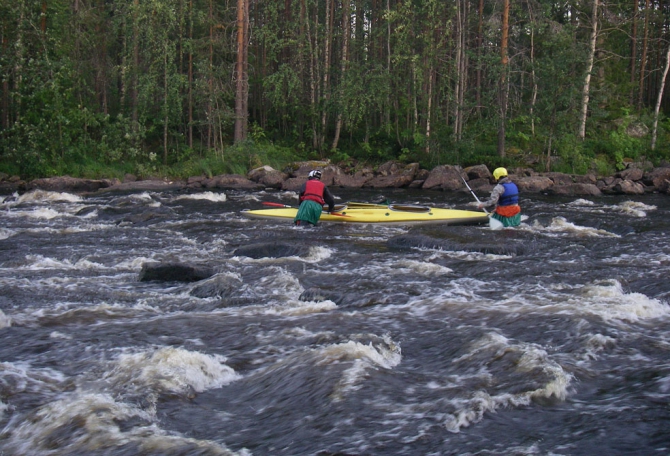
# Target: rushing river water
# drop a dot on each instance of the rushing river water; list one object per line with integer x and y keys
{"x": 560, "y": 346}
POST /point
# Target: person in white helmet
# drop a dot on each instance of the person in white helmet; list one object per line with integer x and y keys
{"x": 313, "y": 195}
{"x": 505, "y": 198}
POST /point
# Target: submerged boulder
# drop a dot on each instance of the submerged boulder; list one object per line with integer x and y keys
{"x": 174, "y": 272}
{"x": 271, "y": 250}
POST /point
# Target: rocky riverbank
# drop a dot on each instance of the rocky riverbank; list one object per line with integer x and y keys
{"x": 636, "y": 179}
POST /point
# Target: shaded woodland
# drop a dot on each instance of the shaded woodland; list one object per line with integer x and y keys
{"x": 202, "y": 86}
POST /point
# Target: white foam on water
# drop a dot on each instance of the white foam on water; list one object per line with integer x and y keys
{"x": 38, "y": 262}
{"x": 385, "y": 355}
{"x": 532, "y": 361}
{"x": 173, "y": 370}
{"x": 581, "y": 202}
{"x": 608, "y": 301}
{"x": 6, "y": 233}
{"x": 315, "y": 254}
{"x": 635, "y": 209}
{"x": 5, "y": 321}
{"x": 645, "y": 259}
{"x": 39, "y": 213}
{"x": 300, "y": 308}
{"x": 560, "y": 226}
{"x": 210, "y": 196}
{"x": 423, "y": 268}
{"x": 596, "y": 343}
{"x": 93, "y": 423}
{"x": 45, "y": 196}
{"x": 134, "y": 264}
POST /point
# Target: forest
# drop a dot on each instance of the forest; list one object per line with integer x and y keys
{"x": 102, "y": 88}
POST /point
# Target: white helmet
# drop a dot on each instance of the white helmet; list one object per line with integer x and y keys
{"x": 315, "y": 174}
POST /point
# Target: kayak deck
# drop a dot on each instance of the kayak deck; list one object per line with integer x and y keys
{"x": 353, "y": 212}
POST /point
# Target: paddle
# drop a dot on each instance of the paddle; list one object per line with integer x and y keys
{"x": 268, "y": 203}
{"x": 337, "y": 208}
{"x": 494, "y": 224}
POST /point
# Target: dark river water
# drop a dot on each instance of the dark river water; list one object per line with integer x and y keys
{"x": 552, "y": 338}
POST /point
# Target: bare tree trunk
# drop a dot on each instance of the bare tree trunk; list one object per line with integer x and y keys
{"x": 458, "y": 75}
{"x": 343, "y": 67}
{"x": 313, "y": 77}
{"x": 461, "y": 67}
{"x": 589, "y": 70}
{"x": 4, "y": 121}
{"x": 633, "y": 49}
{"x": 532, "y": 72}
{"x": 504, "y": 60}
{"x": 659, "y": 99}
{"x": 134, "y": 90}
{"x": 240, "y": 75}
{"x": 388, "y": 66}
{"x": 643, "y": 59}
{"x": 210, "y": 81}
{"x": 480, "y": 32}
{"x": 190, "y": 77}
{"x": 43, "y": 22}
{"x": 166, "y": 101}
{"x": 326, "y": 72}
{"x": 429, "y": 108}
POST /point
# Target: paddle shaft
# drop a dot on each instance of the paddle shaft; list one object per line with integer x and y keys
{"x": 473, "y": 193}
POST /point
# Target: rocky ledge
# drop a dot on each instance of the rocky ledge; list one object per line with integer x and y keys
{"x": 636, "y": 179}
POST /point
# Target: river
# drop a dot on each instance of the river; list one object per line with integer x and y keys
{"x": 560, "y": 346}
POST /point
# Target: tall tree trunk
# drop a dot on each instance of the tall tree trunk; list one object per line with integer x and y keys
{"x": 326, "y": 72}
{"x": 504, "y": 61}
{"x": 589, "y": 70}
{"x": 43, "y": 21}
{"x": 643, "y": 59}
{"x": 4, "y": 121}
{"x": 633, "y": 50}
{"x": 659, "y": 99}
{"x": 532, "y": 72}
{"x": 240, "y": 75}
{"x": 387, "y": 119}
{"x": 166, "y": 102}
{"x": 134, "y": 90}
{"x": 190, "y": 75}
{"x": 211, "y": 131}
{"x": 480, "y": 32}
{"x": 343, "y": 68}
{"x": 429, "y": 108}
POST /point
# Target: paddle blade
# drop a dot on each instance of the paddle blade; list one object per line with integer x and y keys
{"x": 495, "y": 224}
{"x": 268, "y": 203}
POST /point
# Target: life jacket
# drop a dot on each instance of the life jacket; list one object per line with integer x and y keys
{"x": 511, "y": 195}
{"x": 314, "y": 191}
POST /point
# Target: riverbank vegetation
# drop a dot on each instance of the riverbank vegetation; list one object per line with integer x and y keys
{"x": 102, "y": 88}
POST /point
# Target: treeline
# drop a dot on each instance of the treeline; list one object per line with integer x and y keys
{"x": 203, "y": 86}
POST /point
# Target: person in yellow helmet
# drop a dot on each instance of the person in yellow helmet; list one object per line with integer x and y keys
{"x": 505, "y": 198}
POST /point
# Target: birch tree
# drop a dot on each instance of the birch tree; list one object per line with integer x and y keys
{"x": 589, "y": 69}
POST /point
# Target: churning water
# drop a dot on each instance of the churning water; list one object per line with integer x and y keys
{"x": 552, "y": 338}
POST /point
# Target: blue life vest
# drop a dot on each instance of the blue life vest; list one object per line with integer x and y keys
{"x": 510, "y": 196}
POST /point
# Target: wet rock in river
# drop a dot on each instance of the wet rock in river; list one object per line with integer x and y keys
{"x": 271, "y": 250}
{"x": 174, "y": 272}
{"x": 219, "y": 286}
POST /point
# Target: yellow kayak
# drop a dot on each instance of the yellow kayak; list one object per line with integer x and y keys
{"x": 379, "y": 213}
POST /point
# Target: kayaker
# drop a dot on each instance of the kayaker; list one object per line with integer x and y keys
{"x": 313, "y": 195}
{"x": 505, "y": 196}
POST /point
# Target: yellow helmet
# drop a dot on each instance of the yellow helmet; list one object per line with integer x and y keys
{"x": 499, "y": 172}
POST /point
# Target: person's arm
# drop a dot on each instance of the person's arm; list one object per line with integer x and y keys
{"x": 497, "y": 191}
{"x": 328, "y": 198}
